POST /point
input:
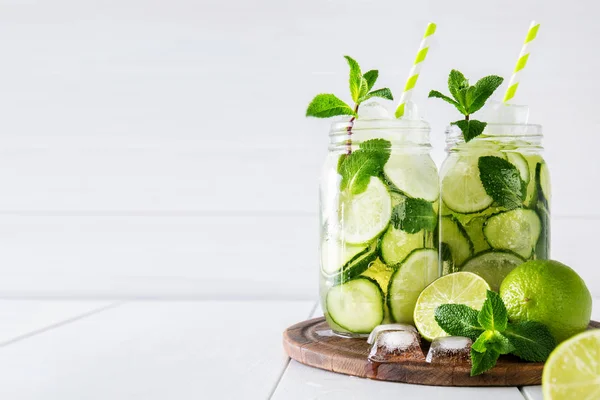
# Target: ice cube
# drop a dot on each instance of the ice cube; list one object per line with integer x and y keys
{"x": 450, "y": 350}
{"x": 396, "y": 346}
{"x": 496, "y": 112}
{"x": 389, "y": 327}
{"x": 373, "y": 110}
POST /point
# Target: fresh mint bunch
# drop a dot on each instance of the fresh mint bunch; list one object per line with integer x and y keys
{"x": 468, "y": 99}
{"x": 502, "y": 181}
{"x": 493, "y": 335}
{"x": 358, "y": 167}
{"x": 327, "y": 105}
{"x": 414, "y": 215}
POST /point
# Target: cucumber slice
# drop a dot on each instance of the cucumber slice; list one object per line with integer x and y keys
{"x": 396, "y": 244}
{"x": 356, "y": 306}
{"x": 342, "y": 262}
{"x": 474, "y": 229}
{"x": 462, "y": 190}
{"x": 521, "y": 163}
{"x": 456, "y": 239}
{"x": 516, "y": 230}
{"x": 364, "y": 216}
{"x": 532, "y": 186}
{"x": 544, "y": 180}
{"x": 418, "y": 270}
{"x": 414, "y": 175}
{"x": 493, "y": 266}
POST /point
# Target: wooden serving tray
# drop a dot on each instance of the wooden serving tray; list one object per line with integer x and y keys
{"x": 312, "y": 343}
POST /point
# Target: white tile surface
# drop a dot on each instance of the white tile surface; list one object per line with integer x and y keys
{"x": 535, "y": 392}
{"x": 301, "y": 382}
{"x": 20, "y": 319}
{"x": 155, "y": 350}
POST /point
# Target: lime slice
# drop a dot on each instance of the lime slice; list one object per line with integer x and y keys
{"x": 380, "y": 272}
{"x": 364, "y": 216}
{"x": 418, "y": 270}
{"x": 573, "y": 369}
{"x": 414, "y": 175}
{"x": 457, "y": 288}
{"x": 462, "y": 190}
{"x": 493, "y": 266}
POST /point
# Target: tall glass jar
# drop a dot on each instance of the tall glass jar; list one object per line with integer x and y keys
{"x": 379, "y": 201}
{"x": 495, "y": 208}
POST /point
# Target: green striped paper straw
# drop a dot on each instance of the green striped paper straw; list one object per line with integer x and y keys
{"x": 521, "y": 62}
{"x": 416, "y": 69}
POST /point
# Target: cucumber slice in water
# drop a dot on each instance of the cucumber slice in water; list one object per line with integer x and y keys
{"x": 418, "y": 270}
{"x": 380, "y": 272}
{"x": 544, "y": 181}
{"x": 521, "y": 163}
{"x": 474, "y": 229}
{"x": 462, "y": 190}
{"x": 396, "y": 244}
{"x": 456, "y": 239}
{"x": 517, "y": 230}
{"x": 364, "y": 216}
{"x": 414, "y": 175}
{"x": 493, "y": 266}
{"x": 342, "y": 262}
{"x": 356, "y": 306}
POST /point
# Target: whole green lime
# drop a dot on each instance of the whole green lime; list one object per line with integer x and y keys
{"x": 549, "y": 292}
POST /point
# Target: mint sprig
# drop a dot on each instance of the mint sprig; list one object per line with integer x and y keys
{"x": 414, "y": 215}
{"x": 328, "y": 105}
{"x": 492, "y": 333}
{"x": 468, "y": 99}
{"x": 358, "y": 167}
{"x": 502, "y": 181}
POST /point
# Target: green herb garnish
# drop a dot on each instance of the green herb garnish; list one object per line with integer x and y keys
{"x": 492, "y": 333}
{"x": 502, "y": 181}
{"x": 358, "y": 167}
{"x": 328, "y": 105}
{"x": 468, "y": 99}
{"x": 414, "y": 215}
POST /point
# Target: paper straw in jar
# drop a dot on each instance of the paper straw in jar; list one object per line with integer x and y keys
{"x": 416, "y": 69}
{"x": 521, "y": 62}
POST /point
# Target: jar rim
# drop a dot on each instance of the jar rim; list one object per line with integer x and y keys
{"x": 375, "y": 124}
{"x": 504, "y": 130}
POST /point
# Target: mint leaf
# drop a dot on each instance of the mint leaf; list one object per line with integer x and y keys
{"x": 328, "y": 105}
{"x": 458, "y": 84}
{"x": 482, "y": 91}
{"x": 357, "y": 168}
{"x": 493, "y": 315}
{"x": 384, "y": 93}
{"x": 371, "y": 77}
{"x": 436, "y": 94}
{"x": 470, "y": 128}
{"x": 414, "y": 215}
{"x": 356, "y": 79}
{"x": 492, "y": 340}
{"x": 502, "y": 181}
{"x": 483, "y": 361}
{"x": 458, "y": 320}
{"x": 532, "y": 341}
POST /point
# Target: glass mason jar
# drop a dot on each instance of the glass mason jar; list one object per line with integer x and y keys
{"x": 495, "y": 201}
{"x": 379, "y": 199}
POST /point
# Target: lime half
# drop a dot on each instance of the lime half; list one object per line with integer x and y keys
{"x": 457, "y": 288}
{"x": 364, "y": 216}
{"x": 573, "y": 369}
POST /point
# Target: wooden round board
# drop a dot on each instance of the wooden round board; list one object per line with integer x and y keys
{"x": 312, "y": 343}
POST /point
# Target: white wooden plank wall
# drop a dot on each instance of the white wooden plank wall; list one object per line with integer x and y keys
{"x": 159, "y": 148}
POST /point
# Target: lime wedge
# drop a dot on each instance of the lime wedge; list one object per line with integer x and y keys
{"x": 573, "y": 369}
{"x": 364, "y": 216}
{"x": 457, "y": 288}
{"x": 418, "y": 270}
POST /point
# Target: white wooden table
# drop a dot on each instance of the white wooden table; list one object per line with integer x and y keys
{"x": 67, "y": 350}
